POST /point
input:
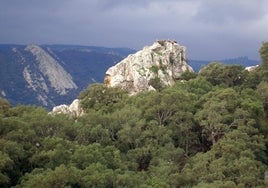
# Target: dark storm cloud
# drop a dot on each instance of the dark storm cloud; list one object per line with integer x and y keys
{"x": 210, "y": 29}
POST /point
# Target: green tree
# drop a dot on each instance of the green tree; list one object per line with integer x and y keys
{"x": 97, "y": 175}
{"x": 125, "y": 126}
{"x": 52, "y": 152}
{"x": 156, "y": 83}
{"x": 183, "y": 132}
{"x": 252, "y": 79}
{"x": 262, "y": 90}
{"x": 61, "y": 176}
{"x": 161, "y": 106}
{"x": 43, "y": 124}
{"x": 6, "y": 164}
{"x": 250, "y": 101}
{"x": 130, "y": 179}
{"x": 215, "y": 117}
{"x": 230, "y": 161}
{"x": 165, "y": 162}
{"x": 229, "y": 75}
{"x": 140, "y": 158}
{"x": 212, "y": 73}
{"x": 101, "y": 98}
{"x": 264, "y": 55}
{"x": 188, "y": 75}
{"x": 198, "y": 86}
{"x": 108, "y": 156}
{"x": 94, "y": 127}
{"x": 4, "y": 106}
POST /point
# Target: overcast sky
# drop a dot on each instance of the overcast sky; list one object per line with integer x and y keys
{"x": 210, "y": 29}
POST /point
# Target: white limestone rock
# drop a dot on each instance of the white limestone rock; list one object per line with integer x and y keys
{"x": 73, "y": 110}
{"x": 165, "y": 60}
{"x": 252, "y": 68}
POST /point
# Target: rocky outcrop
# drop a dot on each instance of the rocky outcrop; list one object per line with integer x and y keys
{"x": 164, "y": 61}
{"x": 251, "y": 68}
{"x": 73, "y": 110}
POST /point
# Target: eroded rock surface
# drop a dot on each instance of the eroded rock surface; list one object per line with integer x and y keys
{"x": 165, "y": 61}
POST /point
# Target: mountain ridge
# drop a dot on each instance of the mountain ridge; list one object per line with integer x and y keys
{"x": 242, "y": 60}
{"x": 48, "y": 75}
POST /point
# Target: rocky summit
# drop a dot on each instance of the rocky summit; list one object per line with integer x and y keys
{"x": 162, "y": 62}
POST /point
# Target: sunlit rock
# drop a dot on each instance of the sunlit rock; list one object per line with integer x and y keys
{"x": 73, "y": 110}
{"x": 164, "y": 60}
{"x": 252, "y": 68}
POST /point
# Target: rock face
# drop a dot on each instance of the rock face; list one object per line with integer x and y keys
{"x": 45, "y": 75}
{"x": 58, "y": 78}
{"x": 165, "y": 60}
{"x": 74, "y": 110}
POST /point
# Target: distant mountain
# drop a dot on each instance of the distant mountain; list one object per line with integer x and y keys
{"x": 244, "y": 61}
{"x": 49, "y": 75}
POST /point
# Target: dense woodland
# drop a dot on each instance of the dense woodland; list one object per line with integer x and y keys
{"x": 208, "y": 130}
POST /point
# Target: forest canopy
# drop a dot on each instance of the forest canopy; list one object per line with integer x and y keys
{"x": 211, "y": 129}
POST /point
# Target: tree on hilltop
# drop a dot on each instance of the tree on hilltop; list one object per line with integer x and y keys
{"x": 264, "y": 54}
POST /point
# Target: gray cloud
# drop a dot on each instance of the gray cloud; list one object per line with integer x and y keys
{"x": 222, "y": 12}
{"x": 209, "y": 29}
